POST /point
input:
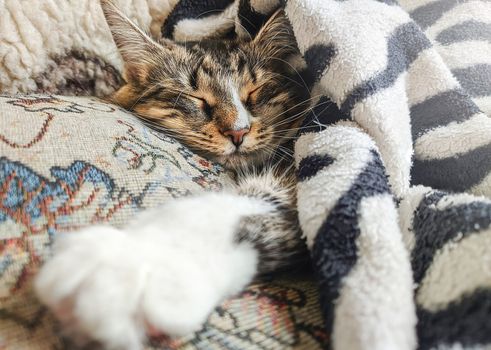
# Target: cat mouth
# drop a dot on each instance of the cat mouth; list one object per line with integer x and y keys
{"x": 241, "y": 159}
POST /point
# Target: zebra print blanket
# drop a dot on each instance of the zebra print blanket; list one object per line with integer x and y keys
{"x": 415, "y": 77}
{"x": 394, "y": 173}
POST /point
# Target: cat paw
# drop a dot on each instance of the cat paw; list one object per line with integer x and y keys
{"x": 164, "y": 274}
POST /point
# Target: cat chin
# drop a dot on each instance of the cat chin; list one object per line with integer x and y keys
{"x": 242, "y": 161}
{"x": 238, "y": 160}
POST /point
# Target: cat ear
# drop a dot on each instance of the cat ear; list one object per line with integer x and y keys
{"x": 136, "y": 47}
{"x": 276, "y": 38}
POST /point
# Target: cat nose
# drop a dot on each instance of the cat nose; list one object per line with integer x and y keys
{"x": 236, "y": 136}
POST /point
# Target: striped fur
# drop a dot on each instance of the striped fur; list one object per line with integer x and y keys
{"x": 200, "y": 91}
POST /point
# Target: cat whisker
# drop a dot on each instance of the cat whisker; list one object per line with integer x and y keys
{"x": 279, "y": 151}
{"x": 155, "y": 125}
{"x": 294, "y": 69}
{"x": 305, "y": 127}
{"x": 300, "y": 114}
{"x": 291, "y": 119}
{"x": 177, "y": 99}
{"x": 316, "y": 116}
{"x": 145, "y": 93}
{"x": 280, "y": 133}
{"x": 287, "y": 78}
{"x": 281, "y": 137}
{"x": 285, "y": 150}
{"x": 296, "y": 105}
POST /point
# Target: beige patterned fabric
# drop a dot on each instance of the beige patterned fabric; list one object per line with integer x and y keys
{"x": 68, "y": 162}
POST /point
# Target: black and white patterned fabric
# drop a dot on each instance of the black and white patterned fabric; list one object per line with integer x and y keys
{"x": 403, "y": 261}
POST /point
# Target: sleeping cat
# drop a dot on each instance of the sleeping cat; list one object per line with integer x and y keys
{"x": 238, "y": 102}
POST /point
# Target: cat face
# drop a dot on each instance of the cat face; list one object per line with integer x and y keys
{"x": 232, "y": 101}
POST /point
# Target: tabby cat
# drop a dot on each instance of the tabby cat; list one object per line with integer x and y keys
{"x": 238, "y": 102}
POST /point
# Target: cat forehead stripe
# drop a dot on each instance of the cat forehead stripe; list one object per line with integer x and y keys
{"x": 243, "y": 120}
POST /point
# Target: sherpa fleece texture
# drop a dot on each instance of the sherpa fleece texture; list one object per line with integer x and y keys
{"x": 65, "y": 47}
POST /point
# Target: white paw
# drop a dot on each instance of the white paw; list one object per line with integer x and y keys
{"x": 167, "y": 271}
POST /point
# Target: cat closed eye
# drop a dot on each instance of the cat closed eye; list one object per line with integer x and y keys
{"x": 202, "y": 102}
{"x": 205, "y": 106}
{"x": 251, "y": 94}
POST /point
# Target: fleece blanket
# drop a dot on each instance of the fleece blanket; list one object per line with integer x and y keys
{"x": 394, "y": 161}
